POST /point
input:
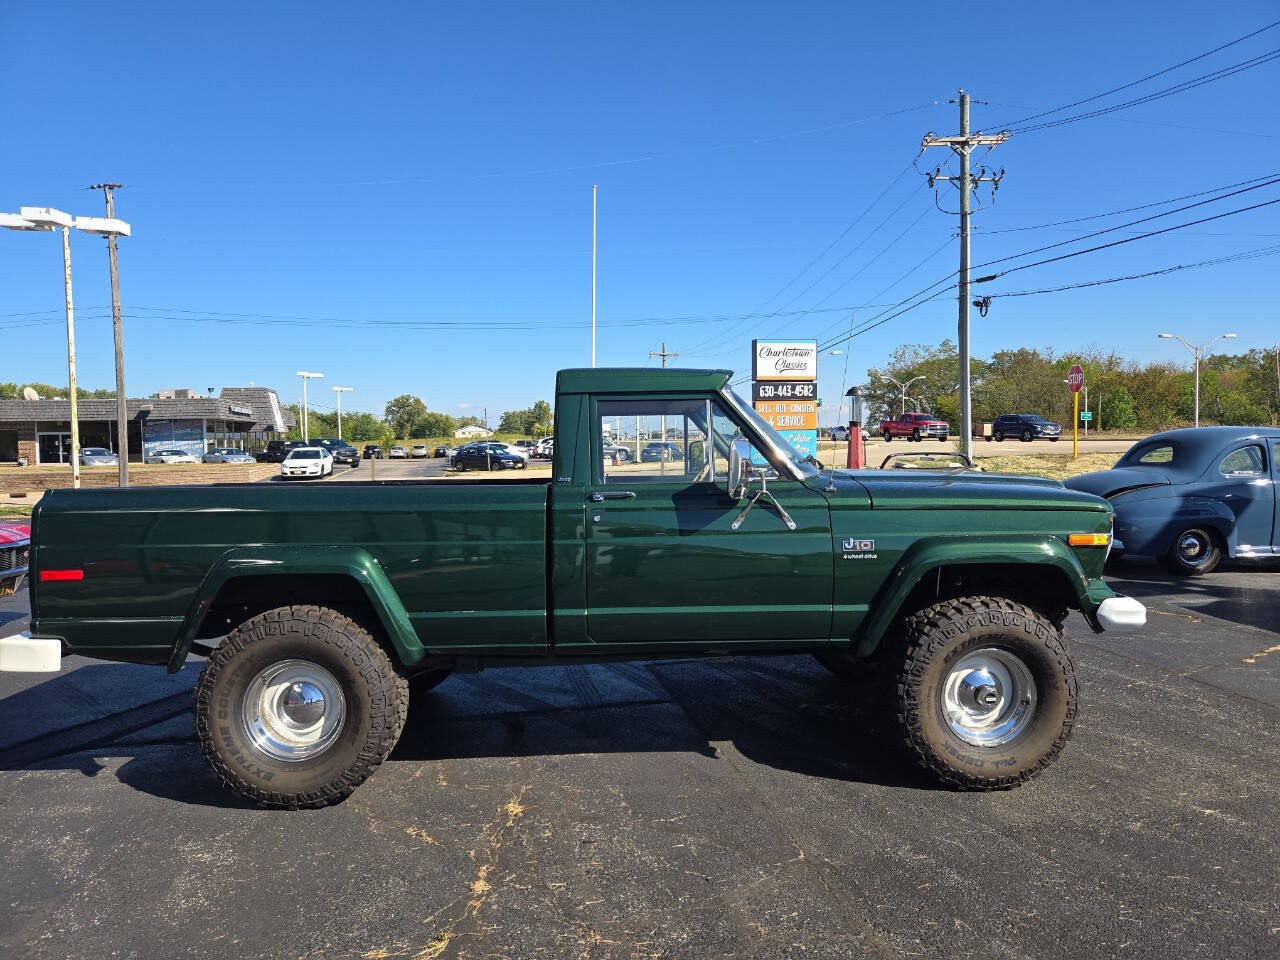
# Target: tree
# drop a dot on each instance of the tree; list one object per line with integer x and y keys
{"x": 403, "y": 412}
{"x": 435, "y": 425}
{"x": 1117, "y": 410}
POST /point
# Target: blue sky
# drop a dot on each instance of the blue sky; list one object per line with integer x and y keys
{"x": 406, "y": 163}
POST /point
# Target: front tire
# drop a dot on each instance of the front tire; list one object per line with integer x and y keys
{"x": 297, "y": 706}
{"x": 986, "y": 692}
{"x": 1195, "y": 551}
{"x": 1026, "y": 436}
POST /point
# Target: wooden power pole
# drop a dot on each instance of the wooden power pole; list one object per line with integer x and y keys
{"x": 117, "y": 327}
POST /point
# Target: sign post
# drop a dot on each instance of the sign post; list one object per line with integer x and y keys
{"x": 1075, "y": 380}
{"x": 784, "y": 389}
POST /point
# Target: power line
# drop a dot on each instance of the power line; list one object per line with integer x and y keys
{"x": 1134, "y": 83}
{"x": 718, "y": 338}
{"x": 1182, "y": 87}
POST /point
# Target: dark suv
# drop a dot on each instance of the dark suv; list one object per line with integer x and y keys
{"x": 277, "y": 450}
{"x": 1026, "y": 426}
{"x": 342, "y": 451}
{"x": 372, "y": 451}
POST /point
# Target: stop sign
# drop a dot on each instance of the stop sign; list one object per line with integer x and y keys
{"x": 1075, "y": 379}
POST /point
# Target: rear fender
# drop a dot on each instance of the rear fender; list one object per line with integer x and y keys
{"x": 932, "y": 554}
{"x": 354, "y": 562}
{"x": 1150, "y": 525}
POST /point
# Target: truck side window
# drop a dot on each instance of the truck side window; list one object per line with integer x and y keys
{"x": 657, "y": 440}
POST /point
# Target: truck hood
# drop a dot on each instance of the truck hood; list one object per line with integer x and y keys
{"x": 1108, "y": 483}
{"x": 892, "y": 490}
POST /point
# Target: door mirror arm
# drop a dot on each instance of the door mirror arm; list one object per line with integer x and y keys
{"x": 741, "y": 476}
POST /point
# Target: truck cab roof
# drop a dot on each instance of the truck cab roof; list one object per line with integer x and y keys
{"x": 638, "y": 380}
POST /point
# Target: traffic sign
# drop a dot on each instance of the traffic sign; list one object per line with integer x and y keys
{"x": 1075, "y": 379}
{"x": 1086, "y": 415}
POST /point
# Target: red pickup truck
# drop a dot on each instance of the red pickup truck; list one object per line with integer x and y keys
{"x": 915, "y": 426}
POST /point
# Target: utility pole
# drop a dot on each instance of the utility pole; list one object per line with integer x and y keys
{"x": 963, "y": 145}
{"x": 663, "y": 354}
{"x": 340, "y": 391}
{"x": 594, "y": 189}
{"x": 117, "y": 328}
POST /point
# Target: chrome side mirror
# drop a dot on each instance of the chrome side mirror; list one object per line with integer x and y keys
{"x": 739, "y": 468}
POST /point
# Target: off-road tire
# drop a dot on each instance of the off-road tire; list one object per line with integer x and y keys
{"x": 938, "y": 636}
{"x": 377, "y": 704}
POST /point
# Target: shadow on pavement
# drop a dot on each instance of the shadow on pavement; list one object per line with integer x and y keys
{"x": 785, "y": 712}
{"x": 1239, "y": 592}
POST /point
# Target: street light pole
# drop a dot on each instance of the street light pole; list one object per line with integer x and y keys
{"x": 1197, "y": 352}
{"x": 307, "y": 375}
{"x": 904, "y": 388}
{"x": 340, "y": 391}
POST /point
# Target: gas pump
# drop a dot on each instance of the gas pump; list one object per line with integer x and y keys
{"x": 857, "y": 458}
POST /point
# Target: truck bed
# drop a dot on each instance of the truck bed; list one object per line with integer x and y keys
{"x": 468, "y": 560}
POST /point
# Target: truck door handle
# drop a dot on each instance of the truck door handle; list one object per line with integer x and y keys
{"x": 599, "y": 496}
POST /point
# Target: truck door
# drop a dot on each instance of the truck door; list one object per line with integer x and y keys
{"x": 663, "y": 563}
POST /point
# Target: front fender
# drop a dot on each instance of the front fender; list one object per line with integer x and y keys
{"x": 1147, "y": 527}
{"x": 931, "y": 554}
{"x": 264, "y": 561}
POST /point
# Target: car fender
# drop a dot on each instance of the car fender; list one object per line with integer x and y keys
{"x": 930, "y": 554}
{"x": 1147, "y": 526}
{"x": 264, "y": 561}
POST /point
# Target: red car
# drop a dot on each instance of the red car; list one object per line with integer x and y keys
{"x": 915, "y": 426}
{"x": 15, "y": 551}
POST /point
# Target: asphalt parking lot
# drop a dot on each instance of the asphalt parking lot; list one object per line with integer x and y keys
{"x": 726, "y": 808}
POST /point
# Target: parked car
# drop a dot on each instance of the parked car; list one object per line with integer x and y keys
{"x": 98, "y": 457}
{"x": 659, "y": 450}
{"x": 526, "y": 447}
{"x": 840, "y": 434}
{"x": 15, "y": 555}
{"x": 915, "y": 426}
{"x": 314, "y": 462}
{"x": 397, "y": 453}
{"x": 341, "y": 451}
{"x": 172, "y": 455}
{"x": 277, "y": 450}
{"x": 444, "y": 450}
{"x": 1191, "y": 497}
{"x": 227, "y": 455}
{"x": 419, "y": 450}
{"x": 372, "y": 451}
{"x": 617, "y": 453}
{"x": 956, "y": 587}
{"x": 545, "y": 449}
{"x": 487, "y": 456}
{"x": 1026, "y": 426}
{"x": 509, "y": 448}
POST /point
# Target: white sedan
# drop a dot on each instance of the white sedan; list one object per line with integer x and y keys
{"x": 172, "y": 455}
{"x": 396, "y": 453}
{"x": 314, "y": 462}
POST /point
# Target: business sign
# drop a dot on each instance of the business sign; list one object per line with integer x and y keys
{"x": 784, "y": 360}
{"x": 770, "y": 390}
{"x": 1075, "y": 379}
{"x": 789, "y": 414}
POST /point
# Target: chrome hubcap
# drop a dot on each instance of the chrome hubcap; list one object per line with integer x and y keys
{"x": 989, "y": 697}
{"x": 294, "y": 710}
{"x": 1193, "y": 548}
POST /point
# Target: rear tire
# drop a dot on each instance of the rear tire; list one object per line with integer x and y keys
{"x": 915, "y": 436}
{"x": 986, "y": 693}
{"x": 1195, "y": 551}
{"x": 999, "y": 437}
{"x": 256, "y": 702}
{"x": 888, "y": 436}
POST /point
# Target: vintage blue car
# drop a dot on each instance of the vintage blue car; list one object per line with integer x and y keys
{"x": 1190, "y": 497}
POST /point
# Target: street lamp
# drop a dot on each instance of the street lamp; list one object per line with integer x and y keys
{"x": 903, "y": 386}
{"x": 1198, "y": 353}
{"x": 340, "y": 391}
{"x": 307, "y": 375}
{"x": 47, "y": 219}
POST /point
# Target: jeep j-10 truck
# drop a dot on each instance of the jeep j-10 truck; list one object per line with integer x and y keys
{"x": 318, "y": 610}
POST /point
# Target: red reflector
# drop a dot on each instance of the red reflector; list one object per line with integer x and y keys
{"x": 49, "y": 575}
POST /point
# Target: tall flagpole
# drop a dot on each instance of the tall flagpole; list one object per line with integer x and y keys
{"x": 594, "y": 188}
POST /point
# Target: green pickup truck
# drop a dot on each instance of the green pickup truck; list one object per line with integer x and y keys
{"x": 319, "y": 609}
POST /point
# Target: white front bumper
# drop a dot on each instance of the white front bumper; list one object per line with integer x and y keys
{"x": 1121, "y": 614}
{"x": 23, "y": 653}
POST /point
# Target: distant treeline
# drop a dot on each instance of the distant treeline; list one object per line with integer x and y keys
{"x": 1123, "y": 394}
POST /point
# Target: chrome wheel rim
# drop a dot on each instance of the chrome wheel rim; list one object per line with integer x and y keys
{"x": 1194, "y": 548}
{"x": 989, "y": 697}
{"x": 294, "y": 710}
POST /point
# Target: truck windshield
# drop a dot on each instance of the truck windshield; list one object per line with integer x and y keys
{"x": 804, "y": 467}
